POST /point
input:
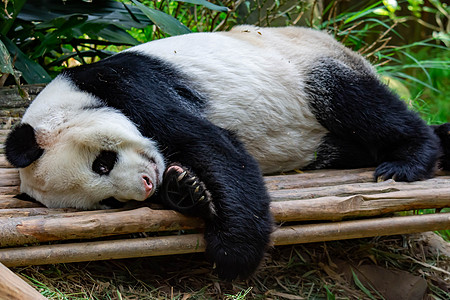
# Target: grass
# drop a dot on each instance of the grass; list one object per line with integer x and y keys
{"x": 310, "y": 271}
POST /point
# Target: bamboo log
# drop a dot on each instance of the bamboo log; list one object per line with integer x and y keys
{"x": 84, "y": 225}
{"x": 8, "y": 201}
{"x": 9, "y": 177}
{"x": 12, "y": 287}
{"x": 368, "y": 188}
{"x": 319, "y": 178}
{"x": 156, "y": 246}
{"x": 4, "y": 163}
{"x": 337, "y": 208}
{"x": 19, "y": 231}
{"x": 9, "y": 190}
{"x": 43, "y": 211}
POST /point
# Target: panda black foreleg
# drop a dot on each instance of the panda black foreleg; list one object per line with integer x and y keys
{"x": 237, "y": 232}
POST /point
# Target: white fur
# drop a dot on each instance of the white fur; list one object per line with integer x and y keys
{"x": 253, "y": 79}
{"x": 72, "y": 137}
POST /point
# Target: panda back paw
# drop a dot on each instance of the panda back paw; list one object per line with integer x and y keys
{"x": 184, "y": 192}
{"x": 401, "y": 171}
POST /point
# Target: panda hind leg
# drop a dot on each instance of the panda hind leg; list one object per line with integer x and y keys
{"x": 182, "y": 191}
{"x": 354, "y": 106}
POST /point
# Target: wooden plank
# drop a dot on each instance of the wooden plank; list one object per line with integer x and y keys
{"x": 82, "y": 225}
{"x": 167, "y": 245}
{"x": 8, "y": 200}
{"x": 12, "y": 287}
{"x": 337, "y": 208}
{"x": 319, "y": 178}
{"x": 350, "y": 189}
{"x": 87, "y": 225}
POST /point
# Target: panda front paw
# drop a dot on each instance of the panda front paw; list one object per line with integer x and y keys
{"x": 184, "y": 192}
{"x": 233, "y": 259}
{"x": 401, "y": 171}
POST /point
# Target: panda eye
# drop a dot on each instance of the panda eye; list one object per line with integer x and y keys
{"x": 104, "y": 162}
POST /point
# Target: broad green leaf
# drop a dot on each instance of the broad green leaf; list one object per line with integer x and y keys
{"x": 206, "y": 4}
{"x": 110, "y": 11}
{"x": 118, "y": 35}
{"x": 165, "y": 22}
{"x": 5, "y": 60}
{"x": 32, "y": 72}
{"x": 109, "y": 32}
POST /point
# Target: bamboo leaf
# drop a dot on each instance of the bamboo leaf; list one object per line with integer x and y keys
{"x": 5, "y": 60}
{"x": 206, "y": 4}
{"x": 165, "y": 22}
{"x": 32, "y": 72}
{"x": 361, "y": 286}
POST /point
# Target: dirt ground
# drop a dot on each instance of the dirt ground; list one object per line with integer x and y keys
{"x": 396, "y": 267}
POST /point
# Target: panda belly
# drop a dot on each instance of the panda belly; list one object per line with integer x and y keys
{"x": 256, "y": 93}
{"x": 280, "y": 137}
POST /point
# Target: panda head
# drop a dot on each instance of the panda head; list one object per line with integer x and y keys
{"x": 77, "y": 157}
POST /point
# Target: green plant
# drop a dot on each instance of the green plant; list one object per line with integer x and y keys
{"x": 41, "y": 37}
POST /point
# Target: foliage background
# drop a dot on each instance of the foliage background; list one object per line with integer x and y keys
{"x": 407, "y": 40}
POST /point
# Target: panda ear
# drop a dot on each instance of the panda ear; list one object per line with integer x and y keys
{"x": 21, "y": 147}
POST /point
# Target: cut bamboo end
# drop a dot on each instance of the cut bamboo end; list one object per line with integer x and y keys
{"x": 12, "y": 287}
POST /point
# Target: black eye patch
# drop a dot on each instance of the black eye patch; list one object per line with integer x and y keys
{"x": 104, "y": 162}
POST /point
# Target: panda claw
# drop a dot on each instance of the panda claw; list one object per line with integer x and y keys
{"x": 181, "y": 176}
{"x": 182, "y": 191}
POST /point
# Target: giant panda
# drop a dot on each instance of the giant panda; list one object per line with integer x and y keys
{"x": 206, "y": 114}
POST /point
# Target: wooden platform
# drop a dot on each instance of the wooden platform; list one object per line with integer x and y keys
{"x": 308, "y": 207}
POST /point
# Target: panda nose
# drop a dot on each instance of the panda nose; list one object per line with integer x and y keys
{"x": 148, "y": 186}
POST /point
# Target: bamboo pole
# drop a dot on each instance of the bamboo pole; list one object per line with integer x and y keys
{"x": 337, "y": 208}
{"x": 367, "y": 188}
{"x": 319, "y": 178}
{"x": 12, "y": 287}
{"x": 168, "y": 245}
{"x": 8, "y": 201}
{"x": 93, "y": 224}
{"x": 9, "y": 177}
{"x": 82, "y": 225}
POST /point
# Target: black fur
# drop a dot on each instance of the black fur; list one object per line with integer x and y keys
{"x": 165, "y": 108}
{"x": 21, "y": 148}
{"x": 443, "y": 132}
{"x": 368, "y": 124}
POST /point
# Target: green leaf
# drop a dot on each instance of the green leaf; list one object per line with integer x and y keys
{"x": 13, "y": 10}
{"x": 207, "y": 4}
{"x": 32, "y": 72}
{"x": 165, "y": 22}
{"x": 362, "y": 13}
{"x": 111, "y": 33}
{"x": 361, "y": 286}
{"x": 112, "y": 12}
{"x": 5, "y": 60}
